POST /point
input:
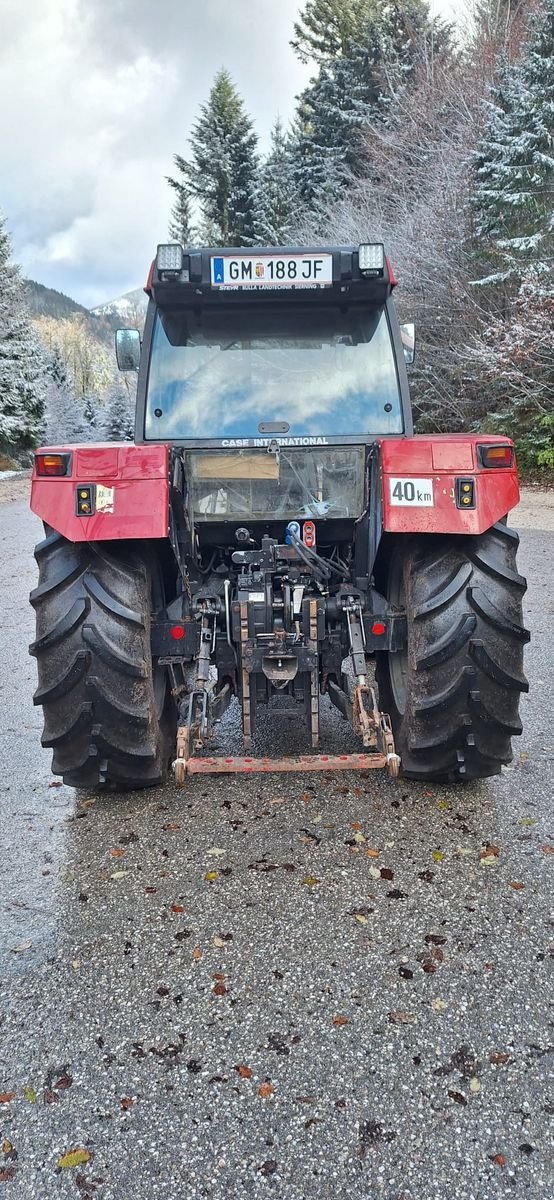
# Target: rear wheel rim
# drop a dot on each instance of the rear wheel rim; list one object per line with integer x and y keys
{"x": 398, "y": 660}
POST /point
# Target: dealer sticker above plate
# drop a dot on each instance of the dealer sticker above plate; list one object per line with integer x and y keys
{"x": 411, "y": 493}
{"x": 267, "y": 271}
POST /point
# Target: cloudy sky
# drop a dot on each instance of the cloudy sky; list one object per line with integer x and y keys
{"x": 96, "y": 97}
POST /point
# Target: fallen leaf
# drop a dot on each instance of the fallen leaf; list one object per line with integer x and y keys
{"x": 219, "y": 989}
{"x": 386, "y": 873}
{"x": 340, "y": 1019}
{"x": 402, "y": 1018}
{"x": 374, "y": 872}
{"x": 22, "y": 946}
{"x": 528, "y": 821}
{"x": 458, "y": 1097}
{"x": 117, "y": 853}
{"x": 474, "y": 1084}
{"x": 76, "y": 964}
{"x": 356, "y": 825}
{"x": 218, "y": 941}
{"x": 439, "y": 1005}
{"x": 488, "y": 860}
{"x": 197, "y": 954}
{"x": 30, "y": 1095}
{"x": 74, "y": 1158}
{"x": 464, "y": 851}
{"x": 177, "y": 908}
{"x": 7, "y": 1146}
{"x": 265, "y": 1090}
{"x": 50, "y": 1097}
{"x": 443, "y": 804}
{"x": 7, "y": 1174}
{"x": 244, "y": 1071}
{"x": 371, "y": 853}
{"x": 518, "y": 887}
{"x": 216, "y": 852}
{"x": 127, "y": 1103}
{"x": 310, "y": 880}
{"x": 437, "y": 856}
{"x": 172, "y": 825}
{"x": 55, "y": 783}
{"x": 360, "y": 918}
{"x": 118, "y": 875}
{"x": 150, "y": 890}
{"x": 210, "y": 876}
{"x": 548, "y": 849}
{"x": 63, "y": 1083}
{"x": 498, "y": 1058}
{"x": 489, "y": 851}
{"x": 359, "y": 838}
{"x": 499, "y": 1160}
{"x": 7, "y": 1097}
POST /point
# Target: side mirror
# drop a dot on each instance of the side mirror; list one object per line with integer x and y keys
{"x": 407, "y": 334}
{"x": 127, "y": 349}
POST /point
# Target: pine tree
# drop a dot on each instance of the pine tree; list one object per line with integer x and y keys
{"x": 181, "y": 227}
{"x": 222, "y": 171}
{"x": 118, "y": 422}
{"x": 64, "y": 414}
{"x": 277, "y": 196}
{"x": 513, "y": 201}
{"x": 22, "y": 379}
{"x": 366, "y": 54}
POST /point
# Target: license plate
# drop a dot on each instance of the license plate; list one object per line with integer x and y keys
{"x": 268, "y": 271}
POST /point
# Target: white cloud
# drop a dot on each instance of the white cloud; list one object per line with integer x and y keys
{"x": 105, "y": 94}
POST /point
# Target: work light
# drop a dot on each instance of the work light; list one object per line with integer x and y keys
{"x": 371, "y": 258}
{"x": 169, "y": 258}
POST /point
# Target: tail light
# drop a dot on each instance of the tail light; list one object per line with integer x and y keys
{"x": 53, "y": 464}
{"x": 496, "y": 456}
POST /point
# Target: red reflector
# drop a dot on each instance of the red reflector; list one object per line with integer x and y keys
{"x": 378, "y": 628}
{"x": 496, "y": 456}
{"x": 177, "y": 632}
{"x": 308, "y": 534}
{"x": 52, "y": 464}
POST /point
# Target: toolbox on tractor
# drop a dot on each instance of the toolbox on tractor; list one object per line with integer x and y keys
{"x": 275, "y": 534}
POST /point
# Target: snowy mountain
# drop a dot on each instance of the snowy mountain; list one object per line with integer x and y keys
{"x": 125, "y": 306}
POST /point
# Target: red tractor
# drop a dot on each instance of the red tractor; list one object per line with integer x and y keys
{"x": 274, "y": 531}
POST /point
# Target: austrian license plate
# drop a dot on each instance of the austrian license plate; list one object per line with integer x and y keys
{"x": 268, "y": 271}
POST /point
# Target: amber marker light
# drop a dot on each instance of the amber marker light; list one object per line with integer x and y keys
{"x": 52, "y": 464}
{"x": 496, "y": 456}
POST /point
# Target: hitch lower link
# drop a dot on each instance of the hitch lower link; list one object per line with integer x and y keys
{"x": 199, "y": 707}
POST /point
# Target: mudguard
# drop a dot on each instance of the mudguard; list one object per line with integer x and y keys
{"x": 422, "y": 477}
{"x": 128, "y": 487}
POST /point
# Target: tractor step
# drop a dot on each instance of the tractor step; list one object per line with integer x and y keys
{"x": 301, "y": 762}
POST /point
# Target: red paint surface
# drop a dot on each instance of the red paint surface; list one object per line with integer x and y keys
{"x": 443, "y": 458}
{"x": 138, "y": 475}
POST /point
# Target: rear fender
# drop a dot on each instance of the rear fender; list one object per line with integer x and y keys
{"x": 128, "y": 487}
{"x": 433, "y": 465}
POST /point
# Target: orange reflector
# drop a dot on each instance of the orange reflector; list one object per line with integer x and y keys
{"x": 52, "y": 464}
{"x": 496, "y": 456}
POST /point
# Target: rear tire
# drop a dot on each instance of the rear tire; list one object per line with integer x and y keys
{"x": 107, "y": 715}
{"x": 453, "y": 695}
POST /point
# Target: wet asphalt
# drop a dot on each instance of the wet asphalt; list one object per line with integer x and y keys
{"x": 294, "y": 986}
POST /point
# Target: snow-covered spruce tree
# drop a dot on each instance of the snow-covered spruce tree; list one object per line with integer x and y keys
{"x": 118, "y": 419}
{"x": 64, "y": 415}
{"x": 221, "y": 172}
{"x": 276, "y": 195}
{"x": 365, "y": 55}
{"x": 181, "y": 226}
{"x": 513, "y": 199}
{"x": 22, "y": 376}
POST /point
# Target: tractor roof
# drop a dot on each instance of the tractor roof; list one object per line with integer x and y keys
{"x": 215, "y": 275}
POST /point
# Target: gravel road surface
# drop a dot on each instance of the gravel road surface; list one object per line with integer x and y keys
{"x": 298, "y": 987}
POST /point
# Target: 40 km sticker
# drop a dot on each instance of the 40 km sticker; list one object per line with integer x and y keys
{"x": 411, "y": 493}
